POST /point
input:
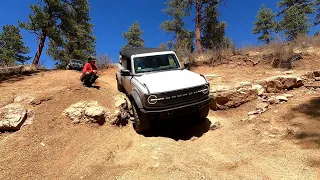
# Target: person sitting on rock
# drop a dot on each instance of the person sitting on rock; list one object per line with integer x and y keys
{"x": 89, "y": 73}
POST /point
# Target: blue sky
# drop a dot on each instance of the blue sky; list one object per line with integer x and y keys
{"x": 112, "y": 18}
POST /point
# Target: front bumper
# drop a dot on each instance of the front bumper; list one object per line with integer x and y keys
{"x": 176, "y": 111}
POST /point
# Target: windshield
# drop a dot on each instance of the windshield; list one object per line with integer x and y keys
{"x": 77, "y": 61}
{"x": 155, "y": 63}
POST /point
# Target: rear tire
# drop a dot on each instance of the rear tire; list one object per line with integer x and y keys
{"x": 139, "y": 125}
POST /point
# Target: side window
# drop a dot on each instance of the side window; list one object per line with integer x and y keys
{"x": 172, "y": 62}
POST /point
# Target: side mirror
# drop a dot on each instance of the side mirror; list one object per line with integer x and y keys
{"x": 125, "y": 72}
{"x": 186, "y": 65}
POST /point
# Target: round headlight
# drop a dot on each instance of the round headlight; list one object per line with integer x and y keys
{"x": 152, "y": 99}
{"x": 206, "y": 89}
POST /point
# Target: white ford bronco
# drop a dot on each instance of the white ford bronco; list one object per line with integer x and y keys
{"x": 159, "y": 88}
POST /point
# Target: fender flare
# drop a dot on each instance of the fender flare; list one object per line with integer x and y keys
{"x": 134, "y": 96}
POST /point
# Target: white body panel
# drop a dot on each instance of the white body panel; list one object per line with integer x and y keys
{"x": 171, "y": 80}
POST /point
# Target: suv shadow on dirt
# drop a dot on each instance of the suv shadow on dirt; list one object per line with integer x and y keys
{"x": 309, "y": 130}
{"x": 183, "y": 128}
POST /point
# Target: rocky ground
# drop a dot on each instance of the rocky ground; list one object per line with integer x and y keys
{"x": 282, "y": 142}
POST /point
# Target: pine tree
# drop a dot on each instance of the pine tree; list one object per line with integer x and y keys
{"x": 265, "y": 24}
{"x": 317, "y": 7}
{"x": 213, "y": 32}
{"x": 162, "y": 46}
{"x": 295, "y": 20}
{"x": 12, "y": 47}
{"x": 134, "y": 36}
{"x": 204, "y": 9}
{"x": 76, "y": 30}
{"x": 44, "y": 22}
{"x": 182, "y": 38}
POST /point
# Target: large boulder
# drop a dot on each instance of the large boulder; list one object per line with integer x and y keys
{"x": 12, "y": 117}
{"x": 280, "y": 83}
{"x": 87, "y": 112}
{"x": 232, "y": 98}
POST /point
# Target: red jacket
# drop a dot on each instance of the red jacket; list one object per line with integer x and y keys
{"x": 88, "y": 68}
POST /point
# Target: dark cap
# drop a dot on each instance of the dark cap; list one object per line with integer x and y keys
{"x": 91, "y": 58}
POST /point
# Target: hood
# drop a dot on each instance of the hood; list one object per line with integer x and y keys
{"x": 171, "y": 80}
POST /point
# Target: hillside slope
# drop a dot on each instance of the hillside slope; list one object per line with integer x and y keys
{"x": 53, "y": 148}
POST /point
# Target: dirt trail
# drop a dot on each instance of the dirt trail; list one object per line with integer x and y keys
{"x": 52, "y": 148}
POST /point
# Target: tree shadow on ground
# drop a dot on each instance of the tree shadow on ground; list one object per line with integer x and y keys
{"x": 179, "y": 129}
{"x": 15, "y": 77}
{"x": 312, "y": 108}
{"x": 308, "y": 133}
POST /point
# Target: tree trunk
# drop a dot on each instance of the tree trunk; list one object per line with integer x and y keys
{"x": 42, "y": 40}
{"x": 198, "y": 31}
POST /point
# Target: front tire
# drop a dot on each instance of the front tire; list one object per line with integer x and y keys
{"x": 203, "y": 114}
{"x": 140, "y": 125}
{"x": 120, "y": 87}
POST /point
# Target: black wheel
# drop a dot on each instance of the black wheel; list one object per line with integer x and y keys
{"x": 140, "y": 124}
{"x": 120, "y": 87}
{"x": 204, "y": 112}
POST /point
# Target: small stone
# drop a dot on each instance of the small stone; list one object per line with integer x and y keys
{"x": 154, "y": 157}
{"x": 252, "y": 113}
{"x": 288, "y": 72}
{"x": 272, "y": 135}
{"x": 288, "y": 95}
{"x": 76, "y": 121}
{"x": 265, "y": 120}
{"x": 262, "y": 106}
{"x": 282, "y": 98}
{"x": 43, "y": 144}
{"x": 273, "y": 100}
{"x": 194, "y": 138}
{"x": 251, "y": 117}
{"x": 156, "y": 165}
{"x": 317, "y": 78}
{"x": 215, "y": 125}
{"x": 259, "y": 88}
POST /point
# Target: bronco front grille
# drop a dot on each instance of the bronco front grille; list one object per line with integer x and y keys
{"x": 183, "y": 96}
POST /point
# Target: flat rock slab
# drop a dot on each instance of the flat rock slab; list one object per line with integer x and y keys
{"x": 12, "y": 117}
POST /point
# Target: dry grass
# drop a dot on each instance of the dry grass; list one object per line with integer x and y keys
{"x": 278, "y": 54}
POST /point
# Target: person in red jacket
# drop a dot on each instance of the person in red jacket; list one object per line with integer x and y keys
{"x": 89, "y": 72}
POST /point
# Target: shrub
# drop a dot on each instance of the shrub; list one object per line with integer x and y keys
{"x": 104, "y": 62}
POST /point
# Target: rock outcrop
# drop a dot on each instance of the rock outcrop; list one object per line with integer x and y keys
{"x": 280, "y": 83}
{"x": 123, "y": 111}
{"x": 230, "y": 98}
{"x": 225, "y": 97}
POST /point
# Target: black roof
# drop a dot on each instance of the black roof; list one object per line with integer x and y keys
{"x": 128, "y": 52}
